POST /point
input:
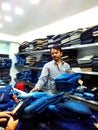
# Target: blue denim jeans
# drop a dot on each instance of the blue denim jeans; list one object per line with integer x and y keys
{"x": 39, "y": 105}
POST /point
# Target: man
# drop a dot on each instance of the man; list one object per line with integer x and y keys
{"x": 51, "y": 70}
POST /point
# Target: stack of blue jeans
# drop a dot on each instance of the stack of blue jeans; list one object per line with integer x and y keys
{"x": 67, "y": 82}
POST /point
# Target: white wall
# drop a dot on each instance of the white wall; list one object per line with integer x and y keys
{"x": 13, "y": 49}
{"x": 81, "y": 20}
{"x": 10, "y": 49}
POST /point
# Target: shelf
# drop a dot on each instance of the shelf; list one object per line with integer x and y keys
{"x": 90, "y": 73}
{"x": 28, "y": 67}
{"x": 63, "y": 48}
{"x": 81, "y": 46}
{"x": 78, "y": 70}
{"x": 33, "y": 52}
{"x": 91, "y": 103}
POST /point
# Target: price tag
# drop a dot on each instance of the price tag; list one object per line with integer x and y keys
{"x": 80, "y": 81}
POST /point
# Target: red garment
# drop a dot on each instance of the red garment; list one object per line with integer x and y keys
{"x": 20, "y": 86}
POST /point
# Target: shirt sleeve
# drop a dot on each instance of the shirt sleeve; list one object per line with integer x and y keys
{"x": 43, "y": 77}
{"x": 68, "y": 68}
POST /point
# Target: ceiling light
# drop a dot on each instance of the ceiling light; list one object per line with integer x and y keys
{"x": 18, "y": 10}
{"x": 6, "y": 6}
{"x": 8, "y": 18}
{"x": 1, "y": 25}
{"x": 35, "y": 1}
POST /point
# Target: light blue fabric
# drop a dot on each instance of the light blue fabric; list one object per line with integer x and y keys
{"x": 33, "y": 95}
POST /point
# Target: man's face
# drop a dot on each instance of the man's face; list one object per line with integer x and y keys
{"x": 56, "y": 54}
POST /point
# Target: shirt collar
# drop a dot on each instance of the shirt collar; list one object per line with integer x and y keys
{"x": 56, "y": 63}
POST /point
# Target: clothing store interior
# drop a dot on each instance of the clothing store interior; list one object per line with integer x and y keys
{"x": 48, "y": 64}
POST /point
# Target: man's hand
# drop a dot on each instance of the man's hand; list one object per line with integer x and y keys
{"x": 12, "y": 124}
{"x": 4, "y": 116}
{"x": 34, "y": 89}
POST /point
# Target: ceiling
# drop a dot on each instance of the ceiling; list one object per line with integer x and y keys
{"x": 39, "y": 14}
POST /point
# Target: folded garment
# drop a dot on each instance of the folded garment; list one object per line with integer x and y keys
{"x": 62, "y": 125}
{"x": 76, "y": 108}
{"x": 24, "y": 45}
{"x": 66, "y": 82}
{"x": 39, "y": 105}
{"x": 86, "y": 58}
{"x": 5, "y": 106}
{"x": 42, "y": 60}
{"x": 5, "y": 93}
{"x": 34, "y": 95}
{"x": 89, "y": 32}
{"x": 50, "y": 38}
{"x": 89, "y": 96}
{"x": 19, "y": 108}
{"x": 87, "y": 41}
{"x": 5, "y": 63}
{"x": 68, "y": 78}
{"x": 86, "y": 65}
{"x": 57, "y": 38}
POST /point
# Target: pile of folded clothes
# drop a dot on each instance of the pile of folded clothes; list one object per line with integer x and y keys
{"x": 30, "y": 60}
{"x": 75, "y": 37}
{"x": 41, "y": 110}
{"x": 66, "y": 39}
{"x": 25, "y": 60}
{"x": 72, "y": 38}
{"x": 67, "y": 82}
{"x": 40, "y": 44}
{"x": 95, "y": 63}
{"x": 86, "y": 61}
{"x": 86, "y": 92}
{"x": 6, "y": 102}
{"x": 52, "y": 112}
{"x": 44, "y": 58}
{"x": 5, "y": 63}
{"x": 88, "y": 89}
{"x": 26, "y": 46}
{"x": 20, "y": 60}
{"x": 90, "y": 35}
{"x": 70, "y": 57}
{"x": 28, "y": 76}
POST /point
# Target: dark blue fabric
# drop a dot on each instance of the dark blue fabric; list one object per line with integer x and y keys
{"x": 19, "y": 112}
{"x": 66, "y": 82}
{"x": 28, "y": 76}
{"x": 5, "y": 63}
{"x": 69, "y": 111}
{"x": 39, "y": 105}
{"x": 7, "y": 106}
{"x": 5, "y": 93}
{"x": 59, "y": 125}
{"x": 77, "y": 108}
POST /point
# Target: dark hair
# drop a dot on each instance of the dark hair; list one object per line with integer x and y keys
{"x": 57, "y": 47}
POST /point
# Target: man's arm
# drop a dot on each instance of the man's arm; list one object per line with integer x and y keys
{"x": 42, "y": 79}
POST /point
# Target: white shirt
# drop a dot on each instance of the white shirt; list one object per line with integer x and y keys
{"x": 49, "y": 72}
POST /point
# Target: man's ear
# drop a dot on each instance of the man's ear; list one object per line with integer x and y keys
{"x": 61, "y": 53}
